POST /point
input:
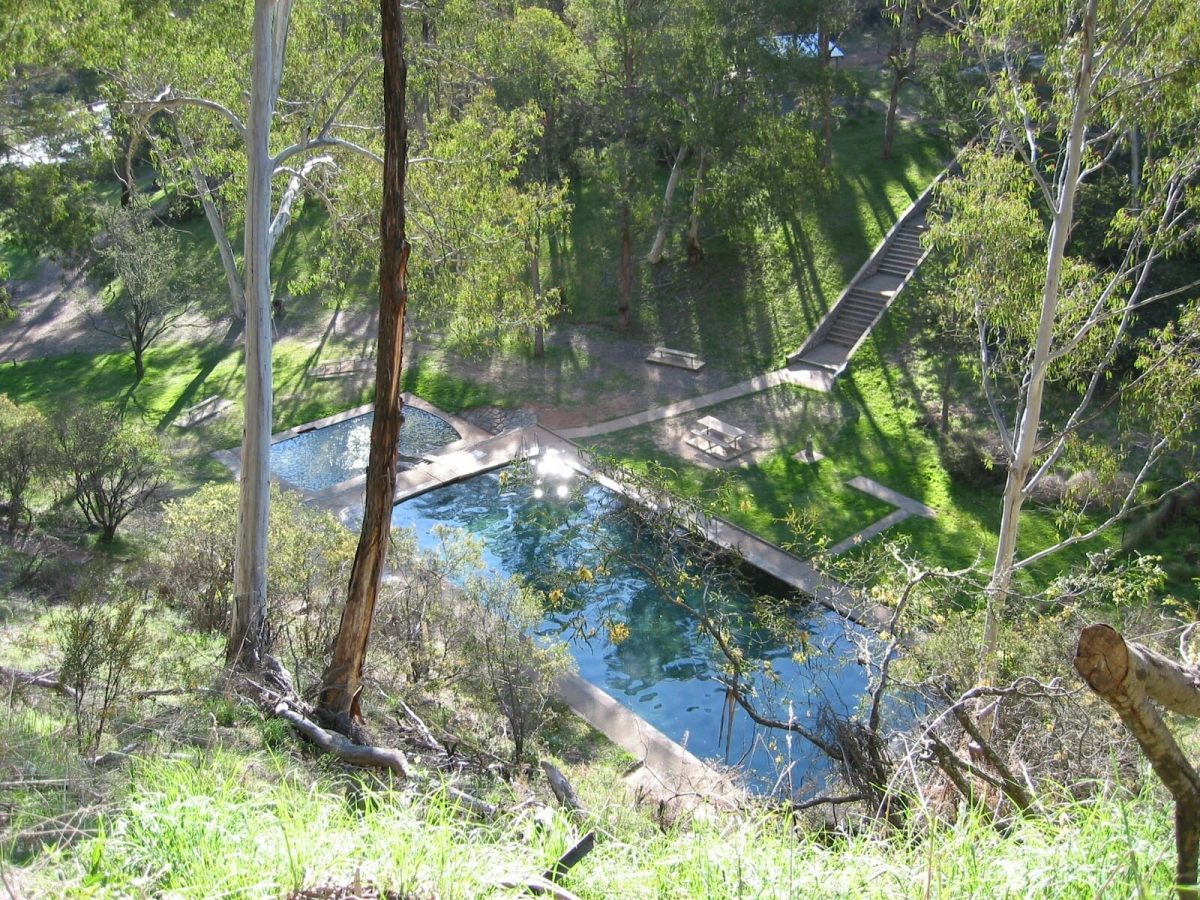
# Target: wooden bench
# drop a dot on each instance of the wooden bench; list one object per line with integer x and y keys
{"x": 207, "y": 408}
{"x": 719, "y": 439}
{"x": 680, "y": 359}
{"x": 341, "y": 367}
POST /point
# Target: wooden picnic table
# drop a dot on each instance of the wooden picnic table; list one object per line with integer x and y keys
{"x": 680, "y": 359}
{"x": 717, "y": 438}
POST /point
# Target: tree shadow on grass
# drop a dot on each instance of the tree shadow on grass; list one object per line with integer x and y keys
{"x": 210, "y": 358}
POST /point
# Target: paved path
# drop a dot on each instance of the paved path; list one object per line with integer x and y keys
{"x": 814, "y": 379}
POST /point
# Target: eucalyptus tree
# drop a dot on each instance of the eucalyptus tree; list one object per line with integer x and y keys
{"x": 532, "y": 57}
{"x": 1076, "y": 93}
{"x": 622, "y": 39}
{"x": 341, "y": 686}
{"x": 909, "y": 21}
{"x": 154, "y": 284}
{"x": 208, "y": 87}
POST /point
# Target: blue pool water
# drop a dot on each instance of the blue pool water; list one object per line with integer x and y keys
{"x": 319, "y": 459}
{"x": 665, "y": 670}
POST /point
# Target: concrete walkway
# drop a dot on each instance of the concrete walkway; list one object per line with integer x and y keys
{"x": 813, "y": 379}
{"x": 905, "y": 507}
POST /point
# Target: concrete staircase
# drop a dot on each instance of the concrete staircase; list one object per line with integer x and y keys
{"x": 849, "y": 322}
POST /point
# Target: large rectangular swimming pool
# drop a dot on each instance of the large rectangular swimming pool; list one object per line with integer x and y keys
{"x": 665, "y": 669}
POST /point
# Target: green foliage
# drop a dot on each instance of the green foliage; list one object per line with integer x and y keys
{"x": 111, "y": 468}
{"x": 25, "y": 455}
{"x": 510, "y": 668}
{"x": 101, "y": 643}
{"x": 309, "y": 554}
{"x": 261, "y": 825}
{"x": 48, "y": 208}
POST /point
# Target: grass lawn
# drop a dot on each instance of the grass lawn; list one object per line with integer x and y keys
{"x": 743, "y": 309}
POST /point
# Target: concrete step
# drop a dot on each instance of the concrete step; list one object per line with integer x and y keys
{"x": 847, "y": 336}
{"x": 868, "y": 296}
{"x": 858, "y": 318}
{"x": 899, "y": 254}
{"x": 841, "y": 341}
{"x": 891, "y": 268}
{"x": 859, "y": 301}
{"x": 858, "y": 313}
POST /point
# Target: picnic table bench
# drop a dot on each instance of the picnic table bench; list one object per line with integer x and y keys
{"x": 680, "y": 359}
{"x": 341, "y": 367}
{"x": 720, "y": 439}
{"x": 205, "y": 409}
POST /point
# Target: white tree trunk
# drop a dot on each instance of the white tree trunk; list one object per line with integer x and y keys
{"x": 1025, "y": 437}
{"x": 248, "y": 636}
{"x": 660, "y": 238}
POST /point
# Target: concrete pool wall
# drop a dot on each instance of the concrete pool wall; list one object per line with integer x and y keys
{"x": 667, "y": 769}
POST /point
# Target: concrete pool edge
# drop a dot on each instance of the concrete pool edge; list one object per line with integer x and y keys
{"x": 667, "y": 769}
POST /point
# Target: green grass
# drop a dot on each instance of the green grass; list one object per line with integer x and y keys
{"x": 251, "y": 825}
{"x": 744, "y": 309}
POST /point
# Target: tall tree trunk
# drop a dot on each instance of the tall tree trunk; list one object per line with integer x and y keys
{"x": 128, "y": 185}
{"x": 535, "y": 279}
{"x": 660, "y": 238}
{"x": 694, "y": 251}
{"x": 825, "y": 55}
{"x": 904, "y": 62}
{"x": 949, "y": 368}
{"x": 625, "y": 273}
{"x": 248, "y": 636}
{"x": 1026, "y": 433}
{"x": 342, "y": 682}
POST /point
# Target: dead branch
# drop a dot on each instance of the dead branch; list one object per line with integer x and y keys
{"x": 423, "y": 731}
{"x": 568, "y": 860}
{"x": 42, "y": 680}
{"x": 563, "y": 792}
{"x": 800, "y": 806}
{"x": 342, "y": 747}
{"x": 1131, "y": 678}
{"x": 1012, "y": 788}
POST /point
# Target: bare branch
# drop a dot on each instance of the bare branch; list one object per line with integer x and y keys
{"x": 170, "y": 103}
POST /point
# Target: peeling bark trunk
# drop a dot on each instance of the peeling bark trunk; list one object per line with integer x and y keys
{"x": 342, "y": 681}
{"x": 248, "y": 636}
{"x": 1026, "y": 433}
{"x": 1131, "y": 678}
{"x": 625, "y": 274}
{"x": 660, "y": 238}
{"x": 694, "y": 251}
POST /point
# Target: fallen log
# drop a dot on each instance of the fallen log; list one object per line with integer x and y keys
{"x": 1131, "y": 679}
{"x": 568, "y": 860}
{"x": 42, "y": 680}
{"x": 342, "y": 747}
{"x": 563, "y": 792}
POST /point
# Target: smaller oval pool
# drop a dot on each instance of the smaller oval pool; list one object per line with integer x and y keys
{"x": 319, "y": 459}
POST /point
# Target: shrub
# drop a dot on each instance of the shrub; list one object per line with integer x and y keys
{"x": 25, "y": 456}
{"x": 307, "y": 566}
{"x": 99, "y": 638}
{"x": 422, "y": 622}
{"x": 973, "y": 458}
{"x": 112, "y": 468}
{"x": 509, "y": 669}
